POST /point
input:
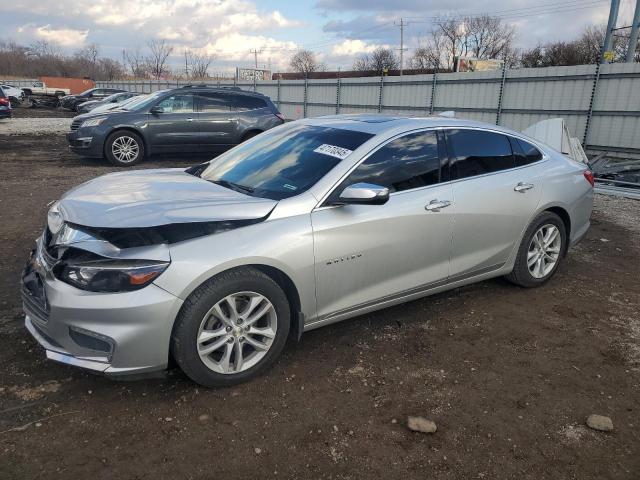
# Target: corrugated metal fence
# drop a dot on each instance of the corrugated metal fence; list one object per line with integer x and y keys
{"x": 600, "y": 104}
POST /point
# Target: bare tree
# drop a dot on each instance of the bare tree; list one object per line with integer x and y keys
{"x": 43, "y": 48}
{"x": 87, "y": 59}
{"x": 198, "y": 64}
{"x": 429, "y": 55}
{"x": 379, "y": 60}
{"x": 305, "y": 61}
{"x": 483, "y": 37}
{"x": 136, "y": 63}
{"x": 582, "y": 51}
{"x": 488, "y": 37}
{"x": 43, "y": 58}
{"x": 157, "y": 59}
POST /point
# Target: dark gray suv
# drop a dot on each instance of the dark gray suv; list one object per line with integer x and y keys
{"x": 186, "y": 119}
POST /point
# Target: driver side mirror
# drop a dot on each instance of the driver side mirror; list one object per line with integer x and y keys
{"x": 156, "y": 110}
{"x": 364, "y": 194}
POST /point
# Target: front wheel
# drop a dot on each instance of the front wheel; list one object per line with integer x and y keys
{"x": 231, "y": 328}
{"x": 540, "y": 252}
{"x": 124, "y": 148}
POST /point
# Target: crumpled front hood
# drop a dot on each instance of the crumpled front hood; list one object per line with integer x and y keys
{"x": 149, "y": 198}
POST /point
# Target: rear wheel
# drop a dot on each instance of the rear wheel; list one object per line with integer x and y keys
{"x": 231, "y": 328}
{"x": 124, "y": 148}
{"x": 540, "y": 252}
{"x": 15, "y": 102}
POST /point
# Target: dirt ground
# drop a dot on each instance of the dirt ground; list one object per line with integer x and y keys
{"x": 25, "y": 111}
{"x": 509, "y": 375}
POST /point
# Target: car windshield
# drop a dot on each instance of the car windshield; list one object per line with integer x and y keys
{"x": 86, "y": 92}
{"x": 283, "y": 163}
{"x": 142, "y": 101}
{"x": 111, "y": 97}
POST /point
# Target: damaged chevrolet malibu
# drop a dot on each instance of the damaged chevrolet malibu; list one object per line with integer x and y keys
{"x": 215, "y": 266}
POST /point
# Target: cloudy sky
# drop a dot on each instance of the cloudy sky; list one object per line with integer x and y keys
{"x": 335, "y": 29}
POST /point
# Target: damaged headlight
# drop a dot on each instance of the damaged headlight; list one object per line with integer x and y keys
{"x": 54, "y": 218}
{"x": 110, "y": 275}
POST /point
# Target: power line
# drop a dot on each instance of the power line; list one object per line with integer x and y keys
{"x": 523, "y": 11}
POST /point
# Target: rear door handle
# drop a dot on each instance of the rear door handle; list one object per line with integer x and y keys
{"x": 436, "y": 205}
{"x": 523, "y": 187}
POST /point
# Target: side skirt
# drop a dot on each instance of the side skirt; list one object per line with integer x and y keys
{"x": 408, "y": 295}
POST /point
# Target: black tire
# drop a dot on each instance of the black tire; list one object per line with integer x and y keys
{"x": 521, "y": 274}
{"x": 185, "y": 330}
{"x": 115, "y": 136}
{"x": 15, "y": 102}
{"x": 249, "y": 135}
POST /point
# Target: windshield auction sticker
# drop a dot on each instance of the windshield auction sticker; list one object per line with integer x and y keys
{"x": 332, "y": 150}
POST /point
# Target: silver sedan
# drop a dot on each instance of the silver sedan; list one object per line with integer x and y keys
{"x": 310, "y": 223}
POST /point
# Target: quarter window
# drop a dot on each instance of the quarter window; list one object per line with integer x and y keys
{"x": 246, "y": 102}
{"x": 476, "y": 152}
{"x": 525, "y": 153}
{"x": 411, "y": 161}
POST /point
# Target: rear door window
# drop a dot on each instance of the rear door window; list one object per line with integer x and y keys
{"x": 411, "y": 161}
{"x": 213, "y": 102}
{"x": 476, "y": 152}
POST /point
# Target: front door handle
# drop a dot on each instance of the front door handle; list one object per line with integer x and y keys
{"x": 523, "y": 187}
{"x": 436, "y": 205}
{"x": 189, "y": 119}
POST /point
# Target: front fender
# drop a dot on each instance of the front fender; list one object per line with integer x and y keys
{"x": 285, "y": 244}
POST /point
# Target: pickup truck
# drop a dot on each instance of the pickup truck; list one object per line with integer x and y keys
{"x": 39, "y": 88}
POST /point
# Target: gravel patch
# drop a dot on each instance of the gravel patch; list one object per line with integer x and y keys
{"x": 623, "y": 211}
{"x": 34, "y": 126}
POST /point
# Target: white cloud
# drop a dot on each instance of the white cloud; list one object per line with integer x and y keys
{"x": 65, "y": 37}
{"x": 237, "y": 47}
{"x": 352, "y": 47}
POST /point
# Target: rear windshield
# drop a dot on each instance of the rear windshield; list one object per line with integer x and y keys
{"x": 286, "y": 162}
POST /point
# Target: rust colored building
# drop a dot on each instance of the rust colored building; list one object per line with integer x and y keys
{"x": 76, "y": 85}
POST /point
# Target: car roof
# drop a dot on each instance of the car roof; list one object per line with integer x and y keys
{"x": 230, "y": 89}
{"x": 381, "y": 123}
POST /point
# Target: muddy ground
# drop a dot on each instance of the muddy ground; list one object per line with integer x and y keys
{"x": 509, "y": 375}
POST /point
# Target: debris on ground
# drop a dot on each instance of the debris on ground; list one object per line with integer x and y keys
{"x": 600, "y": 422}
{"x": 421, "y": 424}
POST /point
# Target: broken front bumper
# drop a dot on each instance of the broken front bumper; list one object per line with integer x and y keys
{"x": 112, "y": 333}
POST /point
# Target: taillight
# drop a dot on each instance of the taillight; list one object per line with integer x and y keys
{"x": 280, "y": 116}
{"x": 588, "y": 175}
{"x": 4, "y": 101}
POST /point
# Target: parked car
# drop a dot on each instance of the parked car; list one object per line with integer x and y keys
{"x": 71, "y": 102}
{"x": 40, "y": 88}
{"x": 116, "y": 106}
{"x": 116, "y": 98}
{"x": 310, "y": 223}
{"x": 186, "y": 119}
{"x": 5, "y": 105}
{"x": 14, "y": 94}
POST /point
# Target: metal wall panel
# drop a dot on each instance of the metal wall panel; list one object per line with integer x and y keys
{"x": 528, "y": 96}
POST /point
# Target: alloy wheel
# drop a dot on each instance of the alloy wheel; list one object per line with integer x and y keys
{"x": 125, "y": 149}
{"x": 544, "y": 251}
{"x": 237, "y": 332}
